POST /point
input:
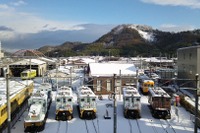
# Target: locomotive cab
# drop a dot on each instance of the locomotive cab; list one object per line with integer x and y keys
{"x": 64, "y": 107}
{"x": 86, "y": 103}
{"x": 64, "y": 103}
{"x": 160, "y": 103}
{"x": 131, "y": 102}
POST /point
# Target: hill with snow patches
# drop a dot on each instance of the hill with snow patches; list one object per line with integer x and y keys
{"x": 130, "y": 40}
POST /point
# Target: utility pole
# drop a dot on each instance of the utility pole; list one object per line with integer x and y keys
{"x": 70, "y": 76}
{"x": 115, "y": 106}
{"x": 8, "y": 101}
{"x": 56, "y": 76}
{"x": 120, "y": 88}
{"x": 196, "y": 104}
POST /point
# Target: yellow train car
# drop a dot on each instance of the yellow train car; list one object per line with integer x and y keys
{"x": 28, "y": 74}
{"x": 19, "y": 93}
{"x": 145, "y": 84}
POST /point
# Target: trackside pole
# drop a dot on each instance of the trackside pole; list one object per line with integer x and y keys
{"x": 8, "y": 103}
{"x": 115, "y": 107}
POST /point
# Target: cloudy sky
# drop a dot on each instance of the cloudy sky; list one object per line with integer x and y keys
{"x": 30, "y": 24}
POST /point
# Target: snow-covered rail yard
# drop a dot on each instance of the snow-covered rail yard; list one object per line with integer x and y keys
{"x": 100, "y": 125}
{"x": 147, "y": 123}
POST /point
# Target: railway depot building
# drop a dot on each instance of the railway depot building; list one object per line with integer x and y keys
{"x": 17, "y": 67}
{"x": 101, "y": 77}
{"x": 188, "y": 62}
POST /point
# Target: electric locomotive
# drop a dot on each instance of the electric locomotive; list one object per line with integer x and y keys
{"x": 38, "y": 111}
{"x": 160, "y": 103}
{"x": 39, "y": 103}
{"x": 86, "y": 103}
{"x": 131, "y": 102}
{"x": 64, "y": 103}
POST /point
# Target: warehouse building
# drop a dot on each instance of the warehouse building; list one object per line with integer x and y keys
{"x": 188, "y": 62}
{"x": 17, "y": 67}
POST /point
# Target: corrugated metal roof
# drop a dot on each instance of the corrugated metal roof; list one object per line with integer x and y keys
{"x": 27, "y": 61}
{"x": 108, "y": 69}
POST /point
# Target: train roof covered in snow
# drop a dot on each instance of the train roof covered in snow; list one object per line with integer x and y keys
{"x": 130, "y": 91}
{"x": 85, "y": 91}
{"x": 15, "y": 87}
{"x": 64, "y": 91}
{"x": 158, "y": 92}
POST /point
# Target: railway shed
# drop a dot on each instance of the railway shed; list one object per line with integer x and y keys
{"x": 17, "y": 67}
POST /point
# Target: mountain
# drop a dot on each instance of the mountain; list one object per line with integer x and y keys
{"x": 130, "y": 40}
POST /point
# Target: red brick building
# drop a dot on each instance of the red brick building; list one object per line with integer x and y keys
{"x": 101, "y": 76}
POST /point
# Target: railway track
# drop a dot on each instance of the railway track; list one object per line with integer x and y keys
{"x": 153, "y": 126}
{"x": 58, "y": 127}
{"x": 91, "y": 127}
{"x": 131, "y": 126}
{"x": 151, "y": 120}
{"x": 167, "y": 126}
{"x": 62, "y": 127}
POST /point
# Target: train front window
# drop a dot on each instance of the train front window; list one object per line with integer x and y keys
{"x": 93, "y": 99}
{"x": 138, "y": 99}
{"x": 69, "y": 100}
{"x": 167, "y": 99}
{"x": 155, "y": 99}
{"x": 58, "y": 100}
{"x": 24, "y": 74}
{"x": 64, "y": 100}
{"x": 82, "y": 100}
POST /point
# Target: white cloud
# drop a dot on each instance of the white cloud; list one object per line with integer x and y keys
{"x": 5, "y": 7}
{"x": 22, "y": 22}
{"x": 18, "y": 3}
{"x": 176, "y": 28}
{"x": 188, "y": 3}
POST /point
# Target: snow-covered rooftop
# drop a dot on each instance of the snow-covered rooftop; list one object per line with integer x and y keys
{"x": 28, "y": 61}
{"x": 108, "y": 69}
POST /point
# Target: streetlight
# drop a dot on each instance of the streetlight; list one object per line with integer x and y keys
{"x": 196, "y": 103}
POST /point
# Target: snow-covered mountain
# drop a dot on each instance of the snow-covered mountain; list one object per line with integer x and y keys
{"x": 132, "y": 34}
{"x": 145, "y": 31}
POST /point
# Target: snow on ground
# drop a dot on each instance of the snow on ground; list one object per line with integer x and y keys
{"x": 147, "y": 123}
